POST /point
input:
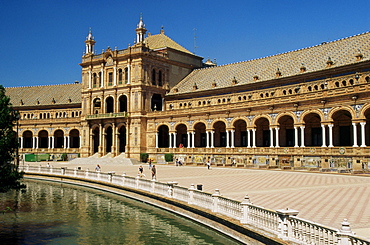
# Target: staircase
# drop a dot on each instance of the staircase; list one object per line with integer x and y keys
{"x": 107, "y": 159}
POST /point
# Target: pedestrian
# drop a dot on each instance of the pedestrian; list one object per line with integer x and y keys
{"x": 208, "y": 164}
{"x": 234, "y": 162}
{"x": 150, "y": 163}
{"x": 177, "y": 162}
{"x": 141, "y": 171}
{"x": 97, "y": 168}
{"x": 154, "y": 172}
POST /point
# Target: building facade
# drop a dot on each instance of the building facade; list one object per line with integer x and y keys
{"x": 307, "y": 108}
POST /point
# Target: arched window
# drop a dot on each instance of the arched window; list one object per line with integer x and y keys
{"x": 120, "y": 76}
{"x": 122, "y": 103}
{"x": 100, "y": 79}
{"x": 153, "y": 77}
{"x": 160, "y": 82}
{"x": 126, "y": 75}
{"x": 95, "y": 80}
{"x": 96, "y": 105}
{"x": 156, "y": 103}
{"x": 109, "y": 105}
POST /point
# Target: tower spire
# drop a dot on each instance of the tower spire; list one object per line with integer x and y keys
{"x": 140, "y": 30}
{"x": 90, "y": 42}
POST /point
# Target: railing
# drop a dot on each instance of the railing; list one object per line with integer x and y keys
{"x": 280, "y": 223}
{"x": 107, "y": 115}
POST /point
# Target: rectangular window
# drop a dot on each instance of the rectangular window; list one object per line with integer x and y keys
{"x": 110, "y": 78}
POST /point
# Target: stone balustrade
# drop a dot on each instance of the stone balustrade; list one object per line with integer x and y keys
{"x": 281, "y": 223}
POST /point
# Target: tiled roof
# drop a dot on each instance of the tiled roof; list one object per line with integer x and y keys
{"x": 341, "y": 52}
{"x": 162, "y": 41}
{"x": 45, "y": 95}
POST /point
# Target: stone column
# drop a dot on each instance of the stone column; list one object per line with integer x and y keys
{"x": 68, "y": 141}
{"x": 21, "y": 144}
{"x": 174, "y": 140}
{"x": 227, "y": 139}
{"x": 296, "y": 137}
{"x": 330, "y": 135}
{"x": 114, "y": 141}
{"x": 323, "y": 136}
{"x": 363, "y": 144}
{"x": 102, "y": 78}
{"x": 254, "y": 138}
{"x": 212, "y": 139}
{"x": 170, "y": 139}
{"x": 64, "y": 142}
{"x": 248, "y": 138}
{"x": 100, "y": 148}
{"x": 207, "y": 139}
{"x": 354, "y": 135}
{"x": 115, "y": 76}
{"x": 193, "y": 140}
{"x": 49, "y": 142}
{"x": 156, "y": 140}
{"x": 189, "y": 140}
{"x": 52, "y": 142}
{"x": 37, "y": 142}
{"x": 277, "y": 137}
{"x": 89, "y": 79}
{"x": 271, "y": 137}
{"x": 232, "y": 138}
{"x": 302, "y": 136}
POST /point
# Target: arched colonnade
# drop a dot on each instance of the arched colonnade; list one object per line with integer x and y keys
{"x": 327, "y": 127}
{"x": 108, "y": 138}
{"x": 50, "y": 139}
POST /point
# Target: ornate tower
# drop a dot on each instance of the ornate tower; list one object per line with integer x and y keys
{"x": 90, "y": 42}
{"x": 140, "y": 31}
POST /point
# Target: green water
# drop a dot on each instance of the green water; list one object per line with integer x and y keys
{"x": 51, "y": 213}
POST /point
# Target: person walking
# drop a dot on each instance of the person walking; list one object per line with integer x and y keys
{"x": 208, "y": 164}
{"x": 154, "y": 172}
{"x": 97, "y": 168}
{"x": 141, "y": 171}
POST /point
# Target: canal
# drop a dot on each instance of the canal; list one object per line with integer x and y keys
{"x": 54, "y": 213}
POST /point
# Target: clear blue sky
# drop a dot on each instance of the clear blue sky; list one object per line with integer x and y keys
{"x": 42, "y": 41}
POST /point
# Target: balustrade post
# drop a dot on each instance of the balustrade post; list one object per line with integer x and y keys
{"x": 87, "y": 173}
{"x": 98, "y": 175}
{"x": 245, "y": 210}
{"x": 110, "y": 176}
{"x": 344, "y": 233}
{"x": 285, "y": 228}
{"x": 153, "y": 186}
{"x": 191, "y": 194}
{"x": 171, "y": 184}
{"x": 123, "y": 179}
{"x": 28, "y": 167}
{"x": 39, "y": 168}
{"x": 63, "y": 171}
{"x": 215, "y": 197}
{"x": 137, "y": 182}
{"x": 75, "y": 172}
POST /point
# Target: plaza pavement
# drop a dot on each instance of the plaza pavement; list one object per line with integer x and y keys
{"x": 324, "y": 198}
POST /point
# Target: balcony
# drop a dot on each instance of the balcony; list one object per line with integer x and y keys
{"x": 107, "y": 115}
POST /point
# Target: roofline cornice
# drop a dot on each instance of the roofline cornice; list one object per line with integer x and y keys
{"x": 299, "y": 78}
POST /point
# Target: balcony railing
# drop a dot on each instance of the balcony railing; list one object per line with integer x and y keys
{"x": 107, "y": 115}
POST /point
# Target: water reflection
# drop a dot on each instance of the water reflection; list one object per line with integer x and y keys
{"x": 51, "y": 213}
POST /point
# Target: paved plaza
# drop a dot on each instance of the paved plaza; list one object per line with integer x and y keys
{"x": 324, "y": 198}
